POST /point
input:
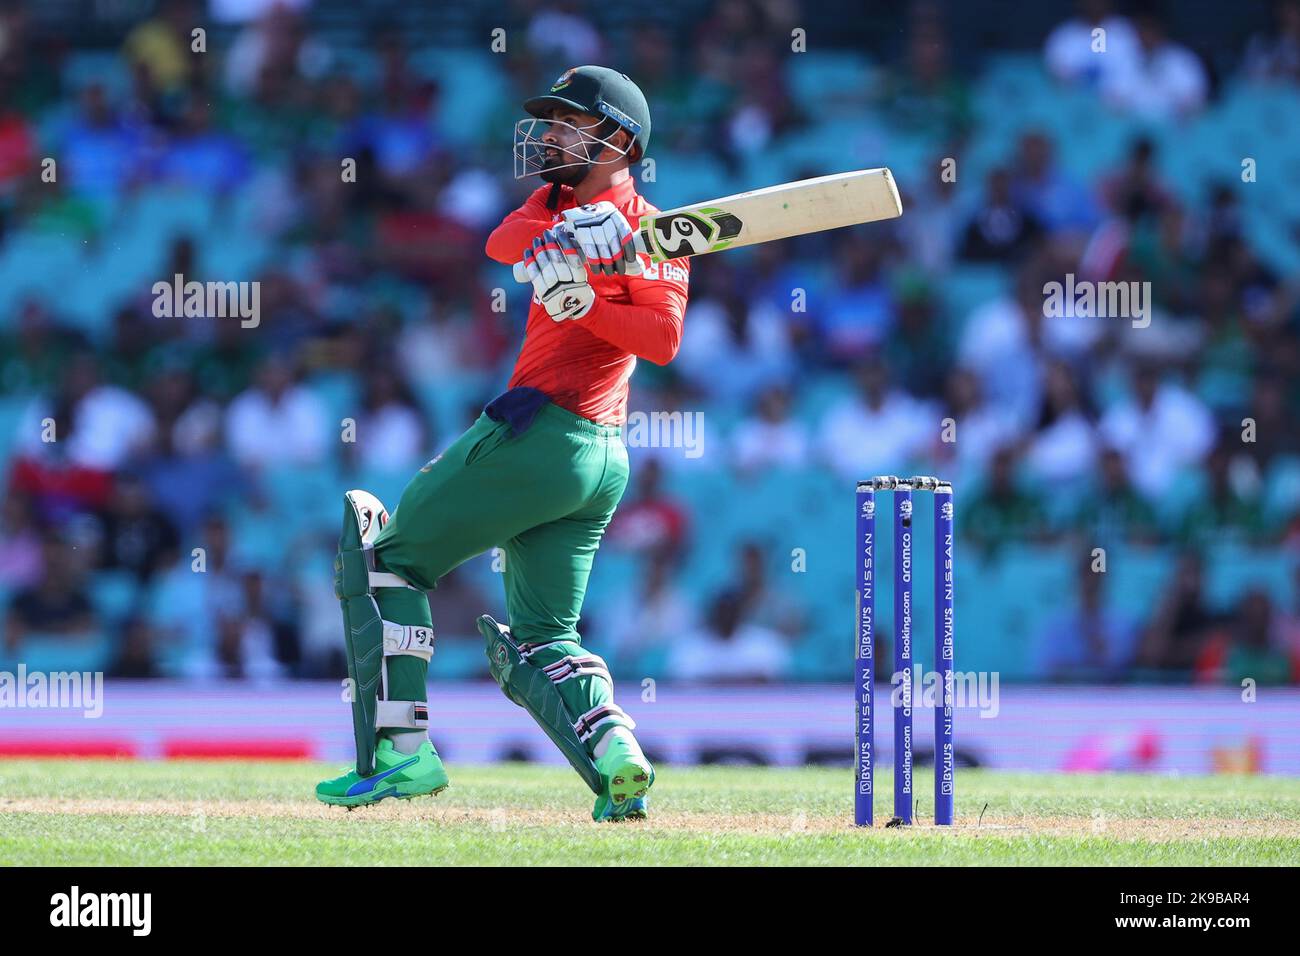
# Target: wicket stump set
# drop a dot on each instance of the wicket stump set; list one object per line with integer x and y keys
{"x": 865, "y": 659}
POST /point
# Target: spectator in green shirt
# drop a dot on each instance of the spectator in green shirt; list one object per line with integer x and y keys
{"x": 1003, "y": 513}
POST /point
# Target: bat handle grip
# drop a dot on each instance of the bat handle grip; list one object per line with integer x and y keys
{"x": 634, "y": 269}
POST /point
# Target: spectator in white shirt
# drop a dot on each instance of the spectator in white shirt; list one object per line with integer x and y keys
{"x": 1166, "y": 81}
{"x": 930, "y": 230}
{"x": 99, "y": 426}
{"x": 390, "y": 428}
{"x": 1065, "y": 446}
{"x": 277, "y": 46}
{"x": 1003, "y": 343}
{"x": 562, "y": 31}
{"x": 1077, "y": 53}
{"x": 980, "y": 427}
{"x": 444, "y": 342}
{"x": 728, "y": 650}
{"x": 879, "y": 430}
{"x": 771, "y": 438}
{"x": 1160, "y": 429}
{"x": 276, "y": 421}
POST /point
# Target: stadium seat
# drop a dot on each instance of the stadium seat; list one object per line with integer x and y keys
{"x": 1136, "y": 577}
{"x": 811, "y": 77}
{"x": 1232, "y": 569}
{"x": 35, "y": 263}
{"x": 475, "y": 100}
{"x": 51, "y": 653}
{"x": 114, "y": 594}
{"x": 1282, "y": 490}
{"x": 104, "y": 67}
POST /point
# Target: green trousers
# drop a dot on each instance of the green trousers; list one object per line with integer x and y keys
{"x": 544, "y": 497}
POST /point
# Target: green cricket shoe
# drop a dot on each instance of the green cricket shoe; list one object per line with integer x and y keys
{"x": 627, "y": 777}
{"x": 396, "y": 775}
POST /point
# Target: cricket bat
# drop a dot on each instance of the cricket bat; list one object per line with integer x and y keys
{"x": 765, "y": 215}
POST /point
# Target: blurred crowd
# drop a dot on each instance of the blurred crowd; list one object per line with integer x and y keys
{"x": 161, "y": 511}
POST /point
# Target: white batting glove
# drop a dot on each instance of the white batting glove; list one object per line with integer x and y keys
{"x": 559, "y": 276}
{"x": 605, "y": 238}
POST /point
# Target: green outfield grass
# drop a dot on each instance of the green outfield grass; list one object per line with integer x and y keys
{"x": 245, "y": 813}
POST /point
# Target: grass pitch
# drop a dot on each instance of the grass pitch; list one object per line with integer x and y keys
{"x": 261, "y": 813}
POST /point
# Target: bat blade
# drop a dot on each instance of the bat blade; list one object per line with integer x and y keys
{"x": 776, "y": 212}
{"x": 765, "y": 215}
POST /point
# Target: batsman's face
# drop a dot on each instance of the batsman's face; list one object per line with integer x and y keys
{"x": 568, "y": 135}
{"x": 562, "y": 146}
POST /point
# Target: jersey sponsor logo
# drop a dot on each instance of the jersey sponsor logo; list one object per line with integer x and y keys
{"x": 666, "y": 270}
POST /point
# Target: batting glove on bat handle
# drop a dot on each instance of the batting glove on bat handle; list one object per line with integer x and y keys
{"x": 633, "y": 268}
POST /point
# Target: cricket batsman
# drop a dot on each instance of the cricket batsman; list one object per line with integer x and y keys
{"x": 539, "y": 474}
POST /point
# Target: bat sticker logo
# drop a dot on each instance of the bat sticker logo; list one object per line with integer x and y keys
{"x": 683, "y": 234}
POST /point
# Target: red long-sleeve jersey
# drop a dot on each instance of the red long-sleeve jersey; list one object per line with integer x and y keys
{"x": 584, "y": 364}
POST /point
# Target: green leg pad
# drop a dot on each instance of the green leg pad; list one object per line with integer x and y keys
{"x": 530, "y": 688}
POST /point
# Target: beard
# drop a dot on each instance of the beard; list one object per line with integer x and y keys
{"x": 565, "y": 176}
{"x": 569, "y": 176}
